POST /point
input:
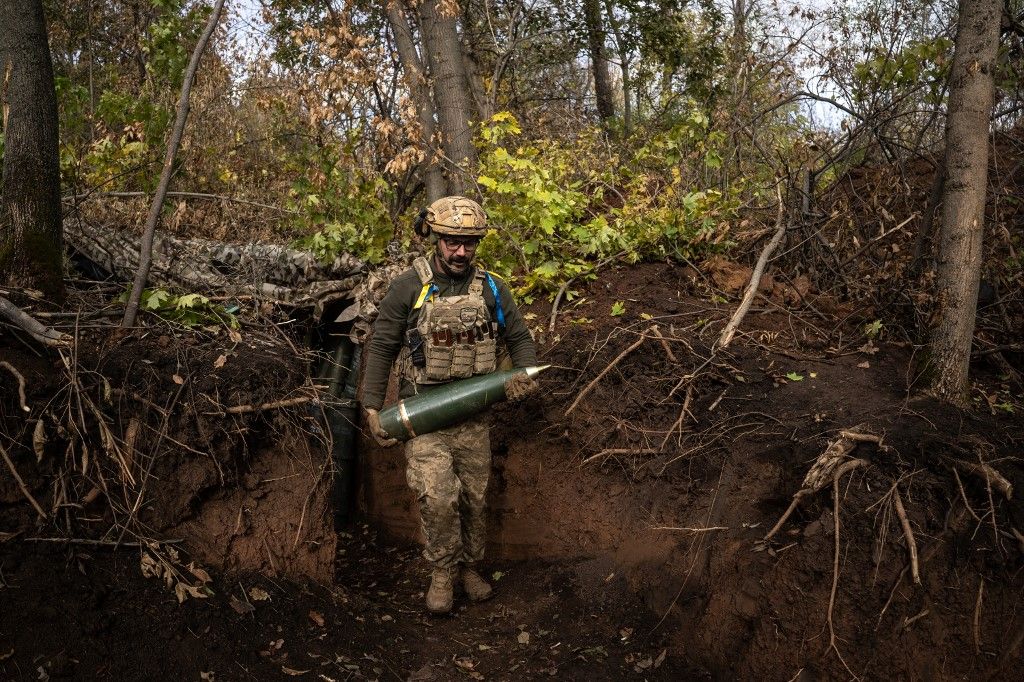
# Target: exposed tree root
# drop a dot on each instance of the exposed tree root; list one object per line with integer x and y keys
{"x": 986, "y": 473}
{"x": 908, "y": 533}
{"x": 21, "y": 483}
{"x": 589, "y": 387}
{"x": 976, "y": 629}
{"x": 21, "y": 384}
{"x": 37, "y": 330}
{"x": 829, "y": 466}
{"x": 755, "y": 276}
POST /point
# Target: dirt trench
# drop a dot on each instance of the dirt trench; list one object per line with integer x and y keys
{"x": 622, "y": 542}
{"x": 682, "y": 525}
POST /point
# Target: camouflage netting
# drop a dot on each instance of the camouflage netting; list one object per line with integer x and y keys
{"x": 266, "y": 271}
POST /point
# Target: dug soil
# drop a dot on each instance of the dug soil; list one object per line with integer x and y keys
{"x": 629, "y": 506}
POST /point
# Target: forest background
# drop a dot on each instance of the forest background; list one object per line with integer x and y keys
{"x": 594, "y": 131}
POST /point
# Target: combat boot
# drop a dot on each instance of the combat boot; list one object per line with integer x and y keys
{"x": 439, "y": 596}
{"x": 477, "y": 589}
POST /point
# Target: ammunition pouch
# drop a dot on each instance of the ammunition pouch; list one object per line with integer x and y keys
{"x": 453, "y": 335}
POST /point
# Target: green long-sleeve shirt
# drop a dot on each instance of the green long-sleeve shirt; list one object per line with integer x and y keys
{"x": 397, "y": 314}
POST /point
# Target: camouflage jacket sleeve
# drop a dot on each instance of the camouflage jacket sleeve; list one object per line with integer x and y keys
{"x": 387, "y": 339}
{"x": 517, "y": 334}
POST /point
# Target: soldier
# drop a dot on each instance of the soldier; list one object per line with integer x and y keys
{"x": 442, "y": 320}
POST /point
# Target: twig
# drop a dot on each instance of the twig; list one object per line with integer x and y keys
{"x": 691, "y": 530}
{"x": 21, "y": 483}
{"x": 590, "y": 386}
{"x": 682, "y": 415}
{"x": 554, "y": 306}
{"x": 908, "y": 533}
{"x": 120, "y": 392}
{"x": 721, "y": 395}
{"x": 907, "y": 622}
{"x": 36, "y": 329}
{"x": 21, "y": 383}
{"x": 288, "y": 402}
{"x": 181, "y": 115}
{"x": 963, "y": 495}
{"x": 99, "y": 543}
{"x": 620, "y": 451}
{"x": 977, "y": 615}
{"x": 755, "y": 276}
{"x": 892, "y": 593}
{"x": 986, "y": 473}
{"x": 664, "y": 344}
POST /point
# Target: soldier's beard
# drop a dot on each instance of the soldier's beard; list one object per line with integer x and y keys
{"x": 454, "y": 266}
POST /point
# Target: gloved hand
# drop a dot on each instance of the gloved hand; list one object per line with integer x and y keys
{"x": 520, "y": 386}
{"x": 380, "y": 435}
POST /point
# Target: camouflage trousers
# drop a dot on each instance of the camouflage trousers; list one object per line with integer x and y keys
{"x": 448, "y": 470}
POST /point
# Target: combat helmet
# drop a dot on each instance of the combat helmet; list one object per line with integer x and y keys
{"x": 456, "y": 216}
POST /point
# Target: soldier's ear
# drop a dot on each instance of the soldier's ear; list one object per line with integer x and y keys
{"x": 420, "y": 226}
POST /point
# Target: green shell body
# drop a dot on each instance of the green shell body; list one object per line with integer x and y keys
{"x": 446, "y": 404}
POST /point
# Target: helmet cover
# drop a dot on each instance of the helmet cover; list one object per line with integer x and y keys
{"x": 457, "y": 216}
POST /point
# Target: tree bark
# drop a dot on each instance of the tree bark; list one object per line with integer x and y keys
{"x": 624, "y": 65}
{"x": 963, "y": 203}
{"x": 146, "y": 251}
{"x": 31, "y": 246}
{"x": 451, "y": 89}
{"x": 419, "y": 89}
{"x": 595, "y": 44}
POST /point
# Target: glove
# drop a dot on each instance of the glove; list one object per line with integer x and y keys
{"x": 380, "y": 435}
{"x": 520, "y": 386}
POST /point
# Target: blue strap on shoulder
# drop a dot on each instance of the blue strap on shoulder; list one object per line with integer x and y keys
{"x": 497, "y": 300}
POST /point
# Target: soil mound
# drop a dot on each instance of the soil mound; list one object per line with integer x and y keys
{"x": 165, "y": 434}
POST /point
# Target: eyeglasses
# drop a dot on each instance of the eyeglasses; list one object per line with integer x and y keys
{"x": 468, "y": 243}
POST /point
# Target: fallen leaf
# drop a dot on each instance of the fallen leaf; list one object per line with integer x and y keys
{"x": 39, "y": 440}
{"x": 293, "y": 673}
{"x": 524, "y": 637}
{"x": 177, "y": 379}
{"x": 660, "y": 659}
{"x": 864, "y": 365}
{"x": 219, "y": 362}
{"x": 497, "y": 575}
{"x": 198, "y": 572}
{"x": 465, "y": 663}
{"x": 257, "y": 594}
{"x": 234, "y": 336}
{"x": 240, "y": 607}
{"x": 208, "y": 676}
{"x": 316, "y": 618}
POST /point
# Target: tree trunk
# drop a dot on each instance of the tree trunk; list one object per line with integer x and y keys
{"x": 451, "y": 89}
{"x": 595, "y": 43}
{"x": 627, "y": 83}
{"x": 31, "y": 246}
{"x": 419, "y": 89}
{"x": 180, "y": 116}
{"x": 963, "y": 203}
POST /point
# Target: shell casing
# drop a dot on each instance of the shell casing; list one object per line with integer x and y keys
{"x": 446, "y": 404}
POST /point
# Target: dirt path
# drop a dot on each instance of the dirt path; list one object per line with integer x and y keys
{"x": 74, "y": 613}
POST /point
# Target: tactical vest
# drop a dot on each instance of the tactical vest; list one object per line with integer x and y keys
{"x": 456, "y": 335}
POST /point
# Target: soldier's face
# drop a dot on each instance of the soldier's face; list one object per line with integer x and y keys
{"x": 456, "y": 253}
